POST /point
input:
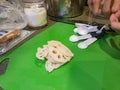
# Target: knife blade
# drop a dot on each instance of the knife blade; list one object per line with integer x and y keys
{"x": 3, "y": 65}
{"x": 1, "y": 88}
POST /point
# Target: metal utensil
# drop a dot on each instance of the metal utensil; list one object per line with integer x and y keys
{"x": 3, "y": 66}
{"x": 1, "y": 88}
{"x": 65, "y": 8}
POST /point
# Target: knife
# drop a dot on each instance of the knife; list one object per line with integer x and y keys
{"x": 3, "y": 66}
{"x": 1, "y": 88}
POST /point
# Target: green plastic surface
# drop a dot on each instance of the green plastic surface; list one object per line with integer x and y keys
{"x": 90, "y": 69}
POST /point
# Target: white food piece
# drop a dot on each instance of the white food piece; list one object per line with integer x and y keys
{"x": 56, "y": 54}
{"x": 51, "y": 66}
{"x": 42, "y": 53}
{"x": 62, "y": 48}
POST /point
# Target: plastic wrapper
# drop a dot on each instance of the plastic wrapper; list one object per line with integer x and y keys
{"x": 12, "y": 43}
{"x": 12, "y": 21}
{"x": 11, "y": 16}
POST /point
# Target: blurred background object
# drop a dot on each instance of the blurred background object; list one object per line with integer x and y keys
{"x": 65, "y": 8}
{"x": 35, "y": 11}
{"x": 11, "y": 15}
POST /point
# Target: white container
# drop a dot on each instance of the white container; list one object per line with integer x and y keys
{"x": 36, "y": 14}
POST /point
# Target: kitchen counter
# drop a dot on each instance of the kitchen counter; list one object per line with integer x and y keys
{"x": 90, "y": 69}
{"x": 84, "y": 18}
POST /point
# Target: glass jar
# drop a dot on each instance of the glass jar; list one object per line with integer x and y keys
{"x": 35, "y": 12}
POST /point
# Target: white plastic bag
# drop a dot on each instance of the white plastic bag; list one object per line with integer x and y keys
{"x": 11, "y": 15}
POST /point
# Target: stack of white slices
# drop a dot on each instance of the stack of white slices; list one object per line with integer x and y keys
{"x": 56, "y": 54}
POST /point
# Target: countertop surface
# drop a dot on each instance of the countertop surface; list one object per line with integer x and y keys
{"x": 84, "y": 18}
{"x": 90, "y": 69}
{"x": 93, "y": 68}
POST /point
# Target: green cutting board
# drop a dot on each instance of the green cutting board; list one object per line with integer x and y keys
{"x": 90, "y": 69}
